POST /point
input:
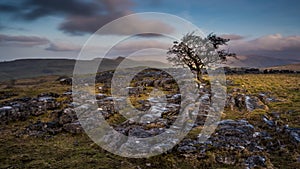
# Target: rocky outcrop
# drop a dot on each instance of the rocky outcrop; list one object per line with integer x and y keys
{"x": 293, "y": 133}
{"x": 62, "y": 121}
{"x": 234, "y": 142}
{"x": 41, "y": 129}
{"x": 21, "y": 109}
{"x": 252, "y": 103}
{"x": 249, "y": 103}
{"x": 65, "y": 81}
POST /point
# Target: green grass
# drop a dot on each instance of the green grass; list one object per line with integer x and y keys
{"x": 283, "y": 87}
{"x": 33, "y": 87}
{"x": 78, "y": 151}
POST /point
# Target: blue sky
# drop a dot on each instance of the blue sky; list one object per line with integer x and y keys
{"x": 52, "y": 29}
{"x": 246, "y": 17}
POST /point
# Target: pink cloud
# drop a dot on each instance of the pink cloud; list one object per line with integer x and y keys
{"x": 232, "y": 36}
{"x": 269, "y": 45}
{"x": 22, "y": 41}
{"x": 63, "y": 47}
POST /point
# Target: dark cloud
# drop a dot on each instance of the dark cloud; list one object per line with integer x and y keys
{"x": 77, "y": 25}
{"x": 129, "y": 26}
{"x": 148, "y": 35}
{"x": 31, "y": 41}
{"x": 112, "y": 9}
{"x": 8, "y": 8}
{"x": 34, "y": 9}
{"x": 82, "y": 17}
{"x": 39, "y": 8}
{"x": 71, "y": 9}
{"x": 25, "y": 41}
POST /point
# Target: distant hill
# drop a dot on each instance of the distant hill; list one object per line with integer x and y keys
{"x": 295, "y": 67}
{"x": 259, "y": 61}
{"x": 27, "y": 68}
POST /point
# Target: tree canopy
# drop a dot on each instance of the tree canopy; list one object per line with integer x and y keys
{"x": 196, "y": 52}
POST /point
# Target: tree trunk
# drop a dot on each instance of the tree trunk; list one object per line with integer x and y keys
{"x": 199, "y": 77}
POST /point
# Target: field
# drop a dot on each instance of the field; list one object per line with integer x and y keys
{"x": 285, "y": 88}
{"x": 66, "y": 150}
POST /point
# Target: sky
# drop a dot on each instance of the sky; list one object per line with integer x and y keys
{"x": 59, "y": 29}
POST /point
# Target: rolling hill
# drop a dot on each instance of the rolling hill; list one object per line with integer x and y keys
{"x": 256, "y": 61}
{"x": 27, "y": 68}
{"x": 295, "y": 67}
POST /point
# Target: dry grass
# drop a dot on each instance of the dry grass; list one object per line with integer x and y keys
{"x": 78, "y": 151}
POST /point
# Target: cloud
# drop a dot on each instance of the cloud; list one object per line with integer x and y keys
{"x": 22, "y": 41}
{"x": 122, "y": 49}
{"x": 63, "y": 47}
{"x": 39, "y": 8}
{"x": 80, "y": 17}
{"x": 269, "y": 45}
{"x": 142, "y": 44}
{"x": 31, "y": 41}
{"x": 129, "y": 47}
{"x": 8, "y": 8}
{"x": 77, "y": 24}
{"x": 130, "y": 26}
{"x": 2, "y": 27}
{"x": 232, "y": 36}
{"x": 35, "y": 9}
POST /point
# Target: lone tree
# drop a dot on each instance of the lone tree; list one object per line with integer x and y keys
{"x": 196, "y": 52}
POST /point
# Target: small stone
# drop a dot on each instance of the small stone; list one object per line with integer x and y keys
{"x": 187, "y": 149}
{"x": 254, "y": 161}
{"x": 229, "y": 160}
{"x": 268, "y": 122}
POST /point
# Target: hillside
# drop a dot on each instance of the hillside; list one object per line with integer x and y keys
{"x": 295, "y": 67}
{"x": 259, "y": 61}
{"x": 27, "y": 68}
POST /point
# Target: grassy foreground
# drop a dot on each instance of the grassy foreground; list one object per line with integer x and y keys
{"x": 78, "y": 151}
{"x": 284, "y": 87}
